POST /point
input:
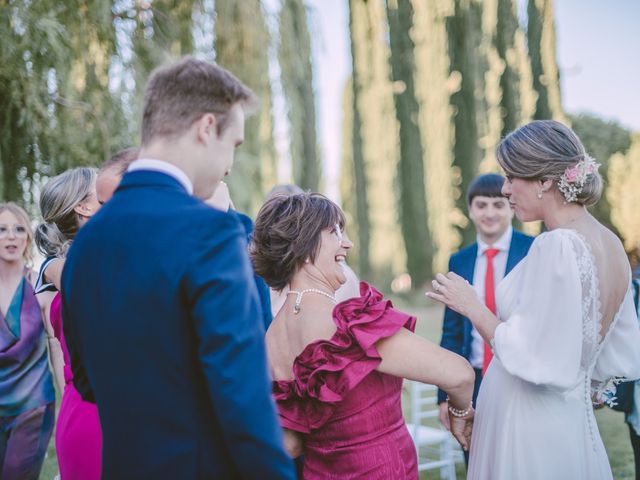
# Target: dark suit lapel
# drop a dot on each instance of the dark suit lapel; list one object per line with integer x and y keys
{"x": 468, "y": 263}
{"x": 517, "y": 251}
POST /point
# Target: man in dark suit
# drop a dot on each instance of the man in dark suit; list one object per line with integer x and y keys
{"x": 484, "y": 263}
{"x": 161, "y": 313}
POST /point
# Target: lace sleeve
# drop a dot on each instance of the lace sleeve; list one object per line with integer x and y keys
{"x": 619, "y": 357}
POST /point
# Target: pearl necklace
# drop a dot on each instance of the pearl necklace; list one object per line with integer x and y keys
{"x": 296, "y": 306}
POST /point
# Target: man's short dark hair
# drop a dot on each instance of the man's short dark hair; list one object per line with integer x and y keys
{"x": 120, "y": 161}
{"x": 487, "y": 185}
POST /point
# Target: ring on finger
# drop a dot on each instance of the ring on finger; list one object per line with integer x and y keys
{"x": 436, "y": 285}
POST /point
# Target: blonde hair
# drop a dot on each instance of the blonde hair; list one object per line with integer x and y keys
{"x": 544, "y": 150}
{"x": 23, "y": 218}
{"x": 58, "y": 199}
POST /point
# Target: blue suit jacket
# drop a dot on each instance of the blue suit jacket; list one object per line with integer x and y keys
{"x": 264, "y": 295}
{"x": 456, "y": 329}
{"x": 164, "y": 330}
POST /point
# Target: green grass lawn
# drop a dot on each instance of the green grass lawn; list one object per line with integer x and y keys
{"x": 612, "y": 427}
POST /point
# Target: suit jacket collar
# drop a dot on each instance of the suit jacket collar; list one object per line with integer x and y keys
{"x": 164, "y": 167}
{"x": 517, "y": 251}
{"x": 468, "y": 262}
{"x": 150, "y": 178}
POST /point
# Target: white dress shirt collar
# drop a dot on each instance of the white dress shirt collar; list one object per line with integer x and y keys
{"x": 502, "y": 244}
{"x": 163, "y": 167}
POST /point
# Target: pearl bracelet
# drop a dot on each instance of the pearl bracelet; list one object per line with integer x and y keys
{"x": 456, "y": 412}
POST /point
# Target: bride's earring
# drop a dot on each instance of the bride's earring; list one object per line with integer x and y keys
{"x": 539, "y": 194}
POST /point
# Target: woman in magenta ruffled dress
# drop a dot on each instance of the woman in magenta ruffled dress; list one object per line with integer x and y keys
{"x": 338, "y": 369}
{"x": 66, "y": 203}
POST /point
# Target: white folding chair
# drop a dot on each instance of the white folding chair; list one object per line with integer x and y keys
{"x": 436, "y": 447}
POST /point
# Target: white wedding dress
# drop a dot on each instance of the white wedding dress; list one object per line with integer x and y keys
{"x": 534, "y": 417}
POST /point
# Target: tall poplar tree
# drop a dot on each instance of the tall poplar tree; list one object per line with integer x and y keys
{"x": 541, "y": 35}
{"x": 462, "y": 29}
{"x": 297, "y": 82}
{"x": 413, "y": 206}
{"x": 241, "y": 44}
{"x": 379, "y": 131}
{"x": 363, "y": 224}
{"x": 507, "y": 28}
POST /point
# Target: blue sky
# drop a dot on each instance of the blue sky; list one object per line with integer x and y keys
{"x": 598, "y": 56}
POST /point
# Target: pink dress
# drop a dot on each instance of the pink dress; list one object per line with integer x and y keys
{"x": 350, "y": 413}
{"x": 78, "y": 433}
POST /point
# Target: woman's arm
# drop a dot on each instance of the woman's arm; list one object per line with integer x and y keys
{"x": 57, "y": 361}
{"x": 293, "y": 442}
{"x": 410, "y": 356}
{"x": 53, "y": 272}
{"x": 56, "y": 358}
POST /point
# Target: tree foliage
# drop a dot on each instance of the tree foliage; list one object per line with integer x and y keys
{"x": 241, "y": 37}
{"x": 297, "y": 83}
{"x": 411, "y": 181}
{"x": 602, "y": 139}
{"x": 463, "y": 33}
{"x": 541, "y": 35}
{"x": 624, "y": 195}
{"x": 434, "y": 86}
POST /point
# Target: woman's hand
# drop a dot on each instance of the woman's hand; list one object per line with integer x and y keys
{"x": 443, "y": 415}
{"x": 293, "y": 443}
{"x": 461, "y": 429}
{"x": 221, "y": 199}
{"x": 455, "y": 292}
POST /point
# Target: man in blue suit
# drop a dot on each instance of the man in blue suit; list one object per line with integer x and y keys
{"x": 497, "y": 250}
{"x": 161, "y": 313}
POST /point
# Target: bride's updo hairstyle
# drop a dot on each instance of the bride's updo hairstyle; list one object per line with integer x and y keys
{"x": 549, "y": 150}
{"x": 60, "y": 195}
{"x": 287, "y": 234}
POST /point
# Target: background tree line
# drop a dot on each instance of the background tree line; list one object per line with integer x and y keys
{"x": 435, "y": 84}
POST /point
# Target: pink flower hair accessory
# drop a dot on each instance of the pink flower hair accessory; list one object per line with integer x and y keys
{"x": 572, "y": 181}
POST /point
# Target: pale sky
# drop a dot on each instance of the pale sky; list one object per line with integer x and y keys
{"x": 598, "y": 56}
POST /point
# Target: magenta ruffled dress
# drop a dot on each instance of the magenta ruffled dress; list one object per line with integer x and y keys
{"x": 350, "y": 413}
{"x": 78, "y": 432}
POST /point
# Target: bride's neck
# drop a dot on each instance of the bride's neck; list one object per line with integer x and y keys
{"x": 567, "y": 217}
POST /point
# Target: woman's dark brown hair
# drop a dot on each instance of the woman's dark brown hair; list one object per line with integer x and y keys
{"x": 288, "y": 231}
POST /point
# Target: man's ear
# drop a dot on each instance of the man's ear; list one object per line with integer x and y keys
{"x": 206, "y": 127}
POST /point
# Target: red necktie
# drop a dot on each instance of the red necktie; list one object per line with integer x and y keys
{"x": 489, "y": 300}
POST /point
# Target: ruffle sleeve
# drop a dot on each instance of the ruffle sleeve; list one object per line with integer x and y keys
{"x": 327, "y": 370}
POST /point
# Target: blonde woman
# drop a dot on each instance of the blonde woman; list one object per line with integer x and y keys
{"x": 67, "y": 202}
{"x": 565, "y": 322}
{"x": 26, "y": 390}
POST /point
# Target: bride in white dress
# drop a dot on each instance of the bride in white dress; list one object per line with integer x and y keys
{"x": 566, "y": 323}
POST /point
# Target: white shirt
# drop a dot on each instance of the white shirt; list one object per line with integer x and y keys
{"x": 476, "y": 357}
{"x": 163, "y": 167}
